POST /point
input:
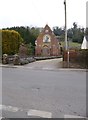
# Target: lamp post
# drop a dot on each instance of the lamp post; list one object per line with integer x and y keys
{"x": 66, "y": 44}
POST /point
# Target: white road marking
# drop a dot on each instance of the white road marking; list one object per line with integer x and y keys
{"x": 47, "y": 68}
{"x": 30, "y": 112}
{"x": 0, "y": 118}
{"x": 9, "y": 108}
{"x": 72, "y": 116}
{"x": 39, "y": 113}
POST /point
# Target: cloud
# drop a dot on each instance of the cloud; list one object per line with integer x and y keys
{"x": 40, "y": 12}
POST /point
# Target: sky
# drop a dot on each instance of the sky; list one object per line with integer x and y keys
{"x": 38, "y": 13}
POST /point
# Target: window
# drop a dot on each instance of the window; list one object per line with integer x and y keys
{"x": 46, "y": 38}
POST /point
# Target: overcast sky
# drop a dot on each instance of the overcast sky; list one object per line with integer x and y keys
{"x": 41, "y": 12}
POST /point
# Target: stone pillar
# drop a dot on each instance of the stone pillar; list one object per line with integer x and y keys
{"x": 5, "y": 59}
{"x": 23, "y": 51}
{"x": 16, "y": 60}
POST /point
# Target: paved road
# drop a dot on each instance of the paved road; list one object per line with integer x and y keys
{"x": 43, "y": 93}
{"x": 46, "y": 64}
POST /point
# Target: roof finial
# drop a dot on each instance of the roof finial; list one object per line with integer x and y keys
{"x": 46, "y": 23}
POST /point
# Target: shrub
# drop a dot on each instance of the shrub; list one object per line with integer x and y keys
{"x": 10, "y": 41}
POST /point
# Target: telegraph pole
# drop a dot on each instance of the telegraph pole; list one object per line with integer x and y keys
{"x": 66, "y": 43}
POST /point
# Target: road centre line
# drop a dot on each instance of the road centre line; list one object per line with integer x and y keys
{"x": 33, "y": 112}
{"x": 30, "y": 112}
{"x": 39, "y": 113}
{"x": 9, "y": 108}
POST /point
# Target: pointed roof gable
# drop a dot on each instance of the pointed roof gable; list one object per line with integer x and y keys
{"x": 47, "y": 28}
{"x": 84, "y": 43}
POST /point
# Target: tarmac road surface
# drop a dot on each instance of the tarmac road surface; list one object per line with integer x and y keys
{"x": 43, "y": 93}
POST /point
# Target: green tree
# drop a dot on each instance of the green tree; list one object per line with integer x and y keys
{"x": 59, "y": 32}
{"x": 86, "y": 31}
{"x": 28, "y": 34}
{"x": 11, "y": 41}
{"x": 30, "y": 49}
{"x": 78, "y": 33}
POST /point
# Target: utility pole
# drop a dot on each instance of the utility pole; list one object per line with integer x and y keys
{"x": 66, "y": 43}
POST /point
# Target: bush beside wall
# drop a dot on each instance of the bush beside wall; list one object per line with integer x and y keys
{"x": 77, "y": 57}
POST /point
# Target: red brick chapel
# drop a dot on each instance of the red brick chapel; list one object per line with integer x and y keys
{"x": 47, "y": 44}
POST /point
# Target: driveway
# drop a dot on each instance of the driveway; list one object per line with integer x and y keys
{"x": 46, "y": 64}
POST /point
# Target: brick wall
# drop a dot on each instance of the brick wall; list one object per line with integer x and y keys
{"x": 52, "y": 45}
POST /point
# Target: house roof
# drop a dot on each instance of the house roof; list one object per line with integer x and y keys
{"x": 84, "y": 43}
{"x": 47, "y": 28}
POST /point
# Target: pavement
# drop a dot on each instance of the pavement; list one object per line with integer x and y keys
{"x": 48, "y": 69}
{"x": 51, "y": 64}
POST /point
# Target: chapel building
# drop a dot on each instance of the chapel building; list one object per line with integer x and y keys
{"x": 47, "y": 44}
